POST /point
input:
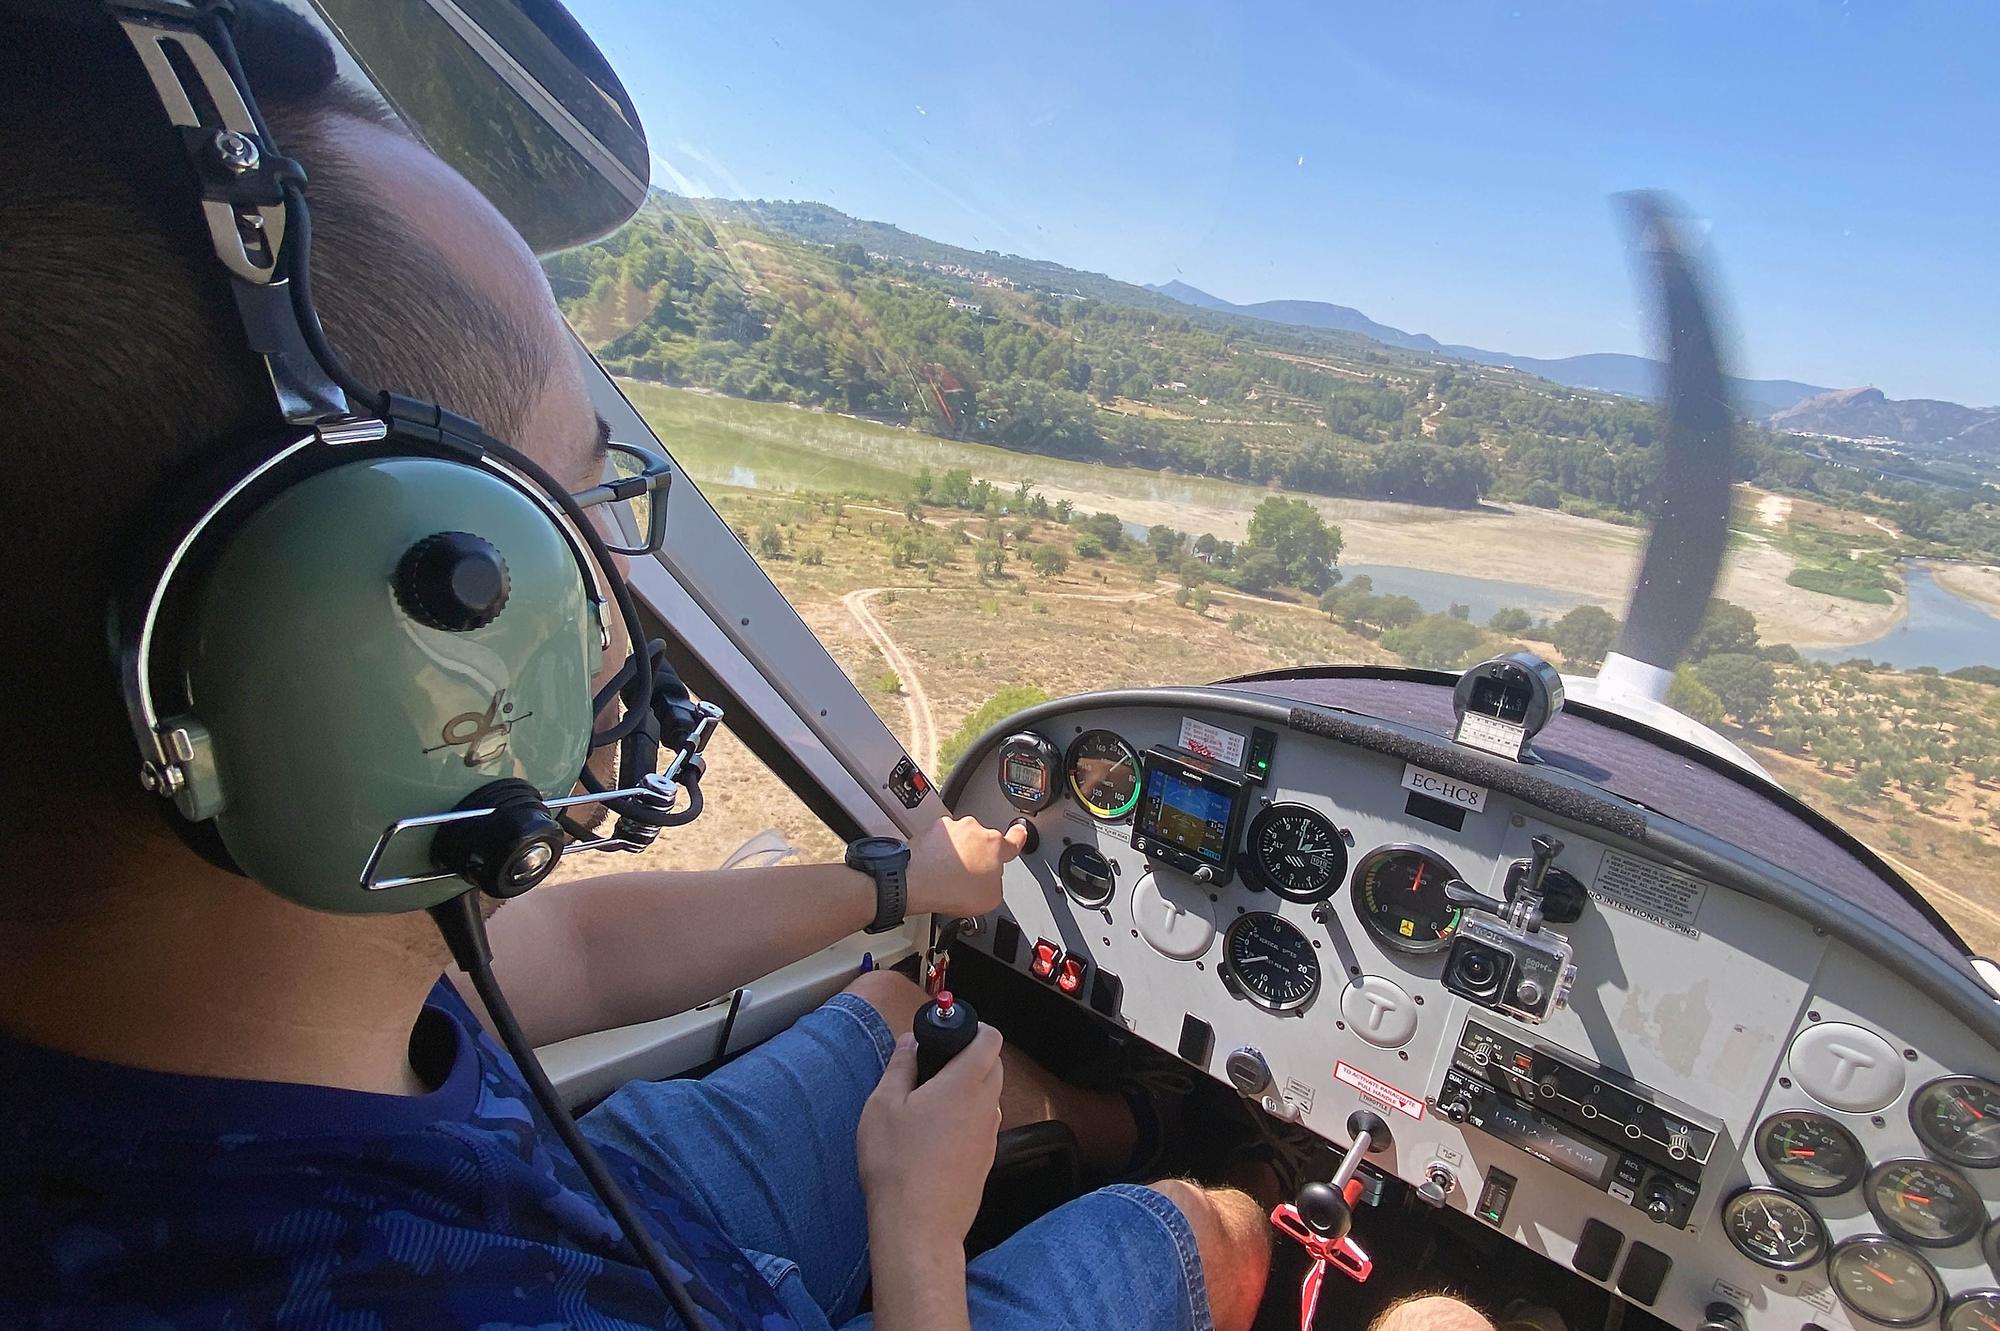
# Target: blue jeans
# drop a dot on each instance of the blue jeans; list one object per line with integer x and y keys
{"x": 767, "y": 1146}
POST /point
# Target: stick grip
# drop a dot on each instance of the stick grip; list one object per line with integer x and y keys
{"x": 944, "y": 1027}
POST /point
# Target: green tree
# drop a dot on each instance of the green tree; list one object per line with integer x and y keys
{"x": 1511, "y": 620}
{"x": 1048, "y": 561}
{"x": 771, "y": 542}
{"x": 1725, "y": 627}
{"x": 1259, "y": 571}
{"x": 1292, "y": 531}
{"x": 955, "y": 487}
{"x": 989, "y": 714}
{"x": 922, "y": 483}
{"x": 1740, "y": 682}
{"x": 1164, "y": 542}
{"x": 1694, "y": 699}
{"x": 1585, "y": 635}
{"x": 1437, "y": 642}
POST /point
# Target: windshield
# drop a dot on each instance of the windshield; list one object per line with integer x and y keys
{"x": 1073, "y": 349}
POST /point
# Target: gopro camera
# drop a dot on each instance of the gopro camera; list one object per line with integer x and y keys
{"x": 1525, "y": 975}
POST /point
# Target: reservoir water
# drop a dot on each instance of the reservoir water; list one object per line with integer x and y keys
{"x": 1940, "y": 630}
{"x": 1436, "y": 591}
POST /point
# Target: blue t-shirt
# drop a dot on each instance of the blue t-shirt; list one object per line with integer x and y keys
{"x": 134, "y": 1199}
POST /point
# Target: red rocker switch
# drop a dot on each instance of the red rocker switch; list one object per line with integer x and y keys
{"x": 1069, "y": 976}
{"x": 1047, "y": 954}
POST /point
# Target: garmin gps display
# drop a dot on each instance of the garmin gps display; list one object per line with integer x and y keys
{"x": 1189, "y": 814}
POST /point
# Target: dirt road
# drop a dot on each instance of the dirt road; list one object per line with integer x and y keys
{"x": 923, "y": 720}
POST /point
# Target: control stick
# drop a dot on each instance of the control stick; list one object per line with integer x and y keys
{"x": 1324, "y": 1212}
{"x": 944, "y": 1027}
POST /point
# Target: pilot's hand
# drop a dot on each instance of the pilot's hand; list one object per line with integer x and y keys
{"x": 955, "y": 866}
{"x": 925, "y": 1151}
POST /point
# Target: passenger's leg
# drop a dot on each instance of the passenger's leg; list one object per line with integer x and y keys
{"x": 1431, "y": 1312}
{"x": 1233, "y": 1234}
{"x": 1106, "y": 1135}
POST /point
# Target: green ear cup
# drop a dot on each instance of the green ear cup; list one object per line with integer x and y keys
{"x": 338, "y": 698}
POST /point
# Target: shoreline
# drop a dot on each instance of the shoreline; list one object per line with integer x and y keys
{"x": 1978, "y": 585}
{"x": 1581, "y": 559}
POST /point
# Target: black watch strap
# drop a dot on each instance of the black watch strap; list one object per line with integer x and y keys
{"x": 892, "y": 884}
{"x": 892, "y": 898}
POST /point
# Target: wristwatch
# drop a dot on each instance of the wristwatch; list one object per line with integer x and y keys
{"x": 887, "y": 861}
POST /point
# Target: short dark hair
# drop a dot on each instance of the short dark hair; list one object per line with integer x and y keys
{"x": 123, "y": 368}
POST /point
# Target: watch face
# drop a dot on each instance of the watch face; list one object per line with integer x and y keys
{"x": 877, "y": 848}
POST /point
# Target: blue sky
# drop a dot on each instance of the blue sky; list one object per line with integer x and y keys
{"x": 1443, "y": 168}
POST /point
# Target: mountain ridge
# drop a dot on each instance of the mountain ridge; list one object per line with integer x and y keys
{"x": 1601, "y": 371}
{"x": 1622, "y": 374}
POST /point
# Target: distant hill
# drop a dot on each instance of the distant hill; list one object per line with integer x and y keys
{"x": 1867, "y": 413}
{"x": 1850, "y": 413}
{"x": 1604, "y": 372}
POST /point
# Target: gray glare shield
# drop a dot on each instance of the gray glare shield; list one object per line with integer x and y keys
{"x": 514, "y": 95}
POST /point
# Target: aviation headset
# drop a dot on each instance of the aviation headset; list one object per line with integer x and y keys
{"x": 360, "y": 667}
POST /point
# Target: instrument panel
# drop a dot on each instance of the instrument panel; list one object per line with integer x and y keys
{"x": 1732, "y": 1106}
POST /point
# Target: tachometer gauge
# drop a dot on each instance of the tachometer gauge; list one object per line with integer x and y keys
{"x": 1975, "y": 1310}
{"x": 1774, "y": 1229}
{"x": 1270, "y": 962}
{"x": 1103, "y": 774}
{"x": 1959, "y": 1118}
{"x": 1884, "y": 1281}
{"x": 1399, "y": 895}
{"x": 1925, "y": 1203}
{"x": 1296, "y": 853}
{"x": 1810, "y": 1153}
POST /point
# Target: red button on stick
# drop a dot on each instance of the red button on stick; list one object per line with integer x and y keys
{"x": 1047, "y": 954}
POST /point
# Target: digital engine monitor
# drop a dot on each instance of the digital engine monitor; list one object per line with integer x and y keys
{"x": 1189, "y": 814}
{"x": 1030, "y": 768}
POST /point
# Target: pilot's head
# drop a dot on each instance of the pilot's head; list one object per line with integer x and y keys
{"x": 123, "y": 371}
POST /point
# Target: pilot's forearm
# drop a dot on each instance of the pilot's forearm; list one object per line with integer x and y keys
{"x": 919, "y": 1283}
{"x": 630, "y": 947}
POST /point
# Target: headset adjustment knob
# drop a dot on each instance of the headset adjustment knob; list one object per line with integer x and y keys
{"x": 452, "y": 580}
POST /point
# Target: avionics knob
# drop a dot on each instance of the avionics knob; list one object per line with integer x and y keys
{"x": 1659, "y": 1202}
{"x": 1721, "y": 1317}
{"x": 452, "y": 580}
{"x": 1204, "y": 874}
{"x": 1456, "y": 1109}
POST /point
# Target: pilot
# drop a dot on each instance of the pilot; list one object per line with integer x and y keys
{"x": 218, "y": 1108}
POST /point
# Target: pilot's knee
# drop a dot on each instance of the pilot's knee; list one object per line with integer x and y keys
{"x": 1233, "y": 1238}
{"x": 1432, "y": 1312}
{"x": 896, "y": 998}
